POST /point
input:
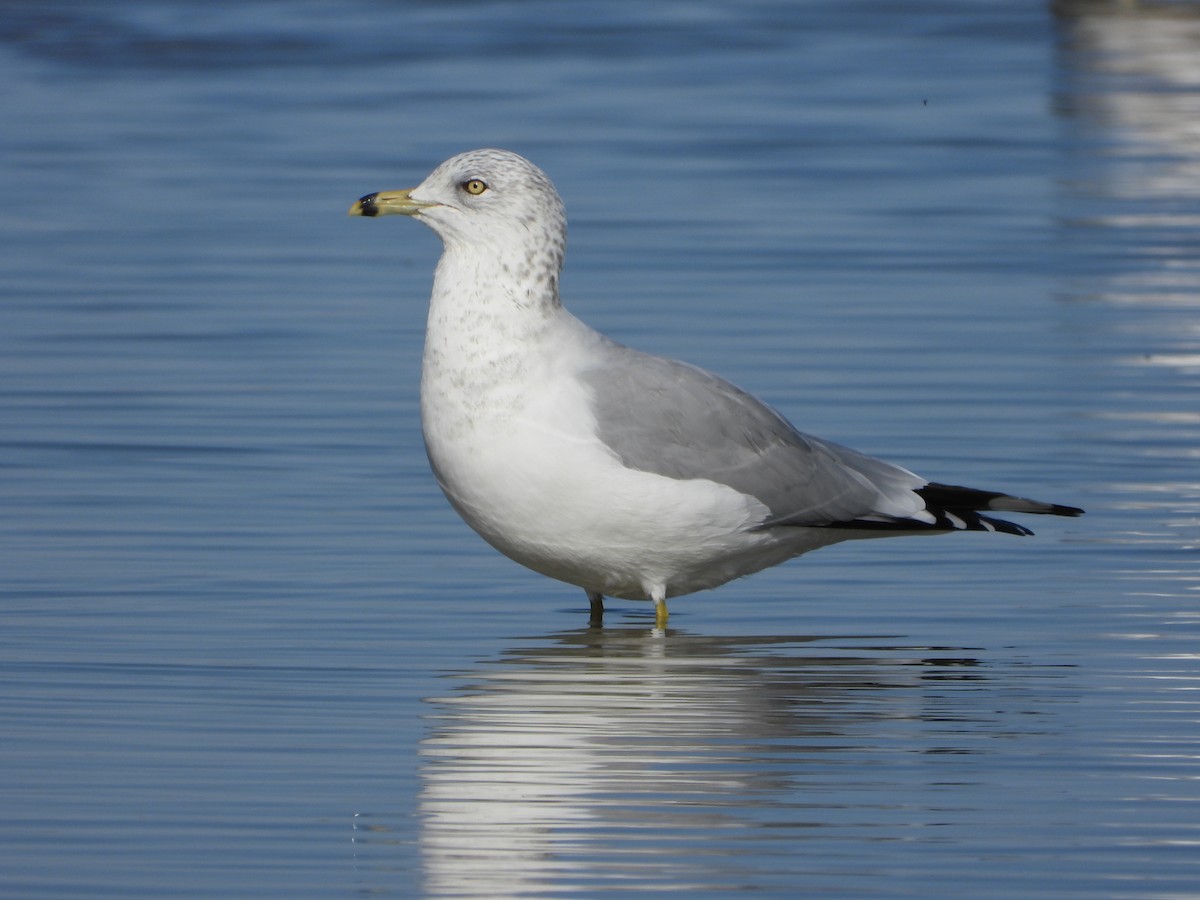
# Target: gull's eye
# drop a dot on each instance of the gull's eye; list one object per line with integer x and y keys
{"x": 475, "y": 186}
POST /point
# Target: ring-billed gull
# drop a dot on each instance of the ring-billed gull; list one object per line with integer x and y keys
{"x": 626, "y": 474}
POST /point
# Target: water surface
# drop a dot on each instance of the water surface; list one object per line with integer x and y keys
{"x": 247, "y": 650}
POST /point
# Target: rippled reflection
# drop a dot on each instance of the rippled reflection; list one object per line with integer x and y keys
{"x": 1129, "y": 100}
{"x": 1136, "y": 71}
{"x": 624, "y": 756}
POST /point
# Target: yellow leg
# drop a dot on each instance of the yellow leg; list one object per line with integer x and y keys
{"x": 660, "y": 612}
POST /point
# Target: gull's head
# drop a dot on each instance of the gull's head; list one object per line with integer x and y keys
{"x": 481, "y": 198}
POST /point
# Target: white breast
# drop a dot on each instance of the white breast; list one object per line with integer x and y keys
{"x": 513, "y": 443}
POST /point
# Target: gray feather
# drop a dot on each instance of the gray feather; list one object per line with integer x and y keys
{"x": 669, "y": 418}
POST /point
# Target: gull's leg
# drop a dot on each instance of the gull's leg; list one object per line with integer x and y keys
{"x": 659, "y": 595}
{"x": 596, "y": 603}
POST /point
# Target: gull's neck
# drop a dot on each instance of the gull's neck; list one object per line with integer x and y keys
{"x": 492, "y": 297}
{"x": 488, "y": 313}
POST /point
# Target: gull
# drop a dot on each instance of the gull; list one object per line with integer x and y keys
{"x": 632, "y": 476}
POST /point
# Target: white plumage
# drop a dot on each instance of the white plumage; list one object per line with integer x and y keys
{"x": 629, "y": 475}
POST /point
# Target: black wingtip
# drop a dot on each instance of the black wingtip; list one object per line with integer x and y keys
{"x": 941, "y": 520}
{"x": 949, "y": 507}
{"x": 954, "y": 497}
{"x": 1056, "y": 510}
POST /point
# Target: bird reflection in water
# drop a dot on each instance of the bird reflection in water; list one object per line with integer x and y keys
{"x": 643, "y": 758}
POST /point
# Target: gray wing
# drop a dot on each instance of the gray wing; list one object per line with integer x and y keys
{"x": 666, "y": 417}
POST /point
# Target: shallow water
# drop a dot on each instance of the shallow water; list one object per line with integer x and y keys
{"x": 247, "y": 650}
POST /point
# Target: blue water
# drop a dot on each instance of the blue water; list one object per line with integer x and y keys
{"x": 246, "y": 650}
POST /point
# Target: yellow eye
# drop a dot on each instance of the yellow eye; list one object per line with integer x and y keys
{"x": 475, "y": 186}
